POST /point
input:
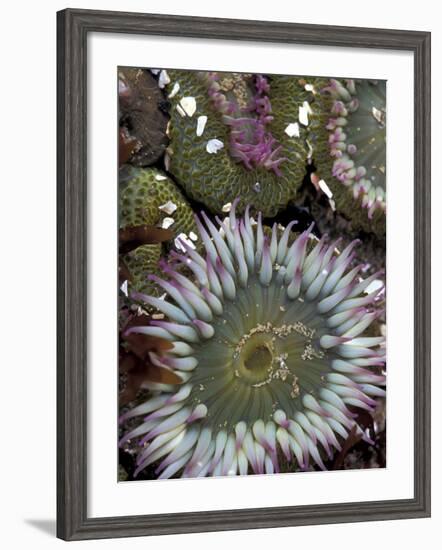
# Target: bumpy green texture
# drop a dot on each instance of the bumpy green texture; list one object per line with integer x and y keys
{"x": 361, "y": 119}
{"x": 142, "y": 262}
{"x": 217, "y": 179}
{"x": 142, "y": 193}
{"x": 317, "y": 135}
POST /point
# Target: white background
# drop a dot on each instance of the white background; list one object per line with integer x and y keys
{"x": 28, "y": 277}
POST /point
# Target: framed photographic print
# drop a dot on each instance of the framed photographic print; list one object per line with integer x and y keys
{"x": 243, "y": 274}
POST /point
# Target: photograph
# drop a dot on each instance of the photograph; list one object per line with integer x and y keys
{"x": 252, "y": 328}
{"x": 225, "y": 235}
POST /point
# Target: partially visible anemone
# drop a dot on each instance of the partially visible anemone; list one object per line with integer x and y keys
{"x": 269, "y": 336}
{"x": 142, "y": 116}
{"x": 229, "y": 138}
{"x": 136, "y": 370}
{"x": 147, "y": 196}
{"x": 144, "y": 194}
{"x": 350, "y": 148}
{"x": 140, "y": 263}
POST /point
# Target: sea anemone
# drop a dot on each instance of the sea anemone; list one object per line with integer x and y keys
{"x": 352, "y": 157}
{"x": 148, "y": 197}
{"x": 143, "y": 117}
{"x": 269, "y": 338}
{"x": 251, "y": 141}
{"x": 236, "y": 135}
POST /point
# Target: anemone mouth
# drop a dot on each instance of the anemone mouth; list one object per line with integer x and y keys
{"x": 268, "y": 340}
{"x": 257, "y": 359}
{"x": 246, "y": 109}
{"x": 265, "y": 352}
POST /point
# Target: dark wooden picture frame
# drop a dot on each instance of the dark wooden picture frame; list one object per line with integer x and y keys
{"x": 73, "y": 27}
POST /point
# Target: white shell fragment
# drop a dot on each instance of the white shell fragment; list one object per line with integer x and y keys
{"x": 188, "y": 104}
{"x": 175, "y": 90}
{"x": 163, "y": 79}
{"x": 168, "y": 129}
{"x": 181, "y": 111}
{"x": 214, "y": 145}
{"x": 292, "y": 129}
{"x": 168, "y": 207}
{"x": 325, "y": 188}
{"x": 226, "y": 207}
{"x": 157, "y": 315}
{"x": 304, "y": 111}
{"x": 123, "y": 288}
{"x": 310, "y": 150}
{"x": 193, "y": 236}
{"x": 167, "y": 222}
{"x": 159, "y": 177}
{"x": 378, "y": 115}
{"x": 200, "y": 125}
{"x": 182, "y": 237}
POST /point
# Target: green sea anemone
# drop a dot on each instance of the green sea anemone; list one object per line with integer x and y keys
{"x": 236, "y": 135}
{"x": 149, "y": 197}
{"x": 349, "y": 150}
{"x": 268, "y": 338}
